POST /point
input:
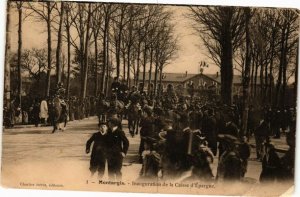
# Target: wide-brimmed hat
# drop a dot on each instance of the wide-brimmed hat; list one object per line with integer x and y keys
{"x": 228, "y": 138}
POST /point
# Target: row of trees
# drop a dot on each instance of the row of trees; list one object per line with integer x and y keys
{"x": 100, "y": 39}
{"x": 263, "y": 44}
{"x": 260, "y": 43}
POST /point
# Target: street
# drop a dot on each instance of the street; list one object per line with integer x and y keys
{"x": 32, "y": 155}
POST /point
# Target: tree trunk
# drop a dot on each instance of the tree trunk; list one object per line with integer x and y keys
{"x": 160, "y": 90}
{"x": 137, "y": 75}
{"x": 271, "y": 68}
{"x": 252, "y": 74}
{"x": 144, "y": 66}
{"x": 296, "y": 74}
{"x": 96, "y": 66}
{"x": 118, "y": 45}
{"x": 104, "y": 56}
{"x": 155, "y": 75}
{"x": 261, "y": 77}
{"x": 150, "y": 71}
{"x": 284, "y": 69}
{"x": 265, "y": 91}
{"x": 7, "y": 58}
{"x": 128, "y": 67}
{"x": 246, "y": 78}
{"x": 226, "y": 68}
{"x": 58, "y": 48}
{"x": 49, "y": 50}
{"x": 108, "y": 66}
{"x": 281, "y": 64}
{"x": 69, "y": 53}
{"x": 81, "y": 49}
{"x": 86, "y": 64}
{"x": 124, "y": 67}
{"x": 20, "y": 54}
{"x": 255, "y": 74}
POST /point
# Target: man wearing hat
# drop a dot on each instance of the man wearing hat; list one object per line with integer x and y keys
{"x": 202, "y": 159}
{"x": 230, "y": 165}
{"x": 261, "y": 133}
{"x": 271, "y": 164}
{"x": 209, "y": 129}
{"x": 147, "y": 128}
{"x": 115, "y": 86}
{"x": 118, "y": 144}
{"x": 99, "y": 151}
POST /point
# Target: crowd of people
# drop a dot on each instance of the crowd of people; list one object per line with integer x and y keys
{"x": 188, "y": 133}
{"x": 39, "y": 111}
{"x": 177, "y": 133}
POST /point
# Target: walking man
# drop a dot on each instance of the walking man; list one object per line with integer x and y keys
{"x": 99, "y": 151}
{"x": 118, "y": 144}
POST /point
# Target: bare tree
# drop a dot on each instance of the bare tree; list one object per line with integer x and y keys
{"x": 68, "y": 23}
{"x": 97, "y": 19}
{"x": 119, "y": 23}
{"x": 43, "y": 12}
{"x": 246, "y": 73}
{"x": 7, "y": 58}
{"x": 221, "y": 30}
{"x": 59, "y": 44}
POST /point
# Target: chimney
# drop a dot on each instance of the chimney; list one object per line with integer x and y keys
{"x": 217, "y": 74}
{"x": 186, "y": 73}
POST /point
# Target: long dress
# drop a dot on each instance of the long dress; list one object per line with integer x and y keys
{"x": 44, "y": 109}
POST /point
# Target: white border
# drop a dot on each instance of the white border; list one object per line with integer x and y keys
{"x": 34, "y": 193}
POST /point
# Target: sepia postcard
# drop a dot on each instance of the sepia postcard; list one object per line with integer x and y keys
{"x": 150, "y": 98}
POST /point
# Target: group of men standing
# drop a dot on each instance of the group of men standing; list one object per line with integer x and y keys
{"x": 188, "y": 133}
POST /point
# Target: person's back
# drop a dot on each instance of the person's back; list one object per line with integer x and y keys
{"x": 232, "y": 129}
{"x": 271, "y": 165}
{"x": 232, "y": 167}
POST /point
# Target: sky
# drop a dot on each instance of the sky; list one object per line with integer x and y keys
{"x": 187, "y": 58}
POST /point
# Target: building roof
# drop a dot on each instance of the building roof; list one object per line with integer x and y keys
{"x": 169, "y": 77}
{"x": 237, "y": 79}
{"x": 182, "y": 77}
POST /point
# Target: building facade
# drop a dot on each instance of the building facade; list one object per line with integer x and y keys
{"x": 201, "y": 82}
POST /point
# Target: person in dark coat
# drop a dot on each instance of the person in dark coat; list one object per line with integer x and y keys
{"x": 271, "y": 165}
{"x": 99, "y": 151}
{"x": 159, "y": 120}
{"x": 209, "y": 130}
{"x": 231, "y": 129}
{"x": 230, "y": 164}
{"x": 244, "y": 152}
{"x": 287, "y": 172}
{"x": 36, "y": 112}
{"x": 150, "y": 159}
{"x": 285, "y": 116}
{"x": 202, "y": 159}
{"x": 251, "y": 122}
{"x": 261, "y": 133}
{"x": 115, "y": 86}
{"x": 123, "y": 92}
{"x": 276, "y": 123}
{"x": 119, "y": 144}
{"x": 196, "y": 117}
{"x": 147, "y": 128}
